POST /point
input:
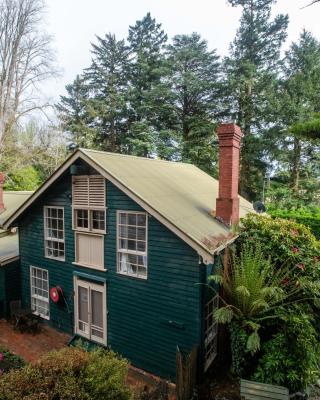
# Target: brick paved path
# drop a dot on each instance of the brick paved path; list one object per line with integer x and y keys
{"x": 31, "y": 347}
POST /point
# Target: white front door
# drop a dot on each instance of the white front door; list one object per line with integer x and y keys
{"x": 90, "y": 311}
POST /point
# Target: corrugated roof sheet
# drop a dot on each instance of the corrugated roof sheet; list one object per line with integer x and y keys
{"x": 12, "y": 201}
{"x": 9, "y": 247}
{"x": 182, "y": 193}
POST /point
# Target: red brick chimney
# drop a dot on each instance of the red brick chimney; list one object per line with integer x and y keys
{"x": 227, "y": 204}
{"x": 1, "y": 192}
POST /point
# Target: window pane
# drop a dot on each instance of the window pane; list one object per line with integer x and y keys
{"x": 141, "y": 233}
{"x": 132, "y": 232}
{"x": 83, "y": 306}
{"x": 82, "y": 219}
{"x": 132, "y": 219}
{"x": 123, "y": 219}
{"x": 98, "y": 220}
{"x": 141, "y": 220}
{"x": 132, "y": 245}
{"x": 141, "y": 246}
{"x": 96, "y": 308}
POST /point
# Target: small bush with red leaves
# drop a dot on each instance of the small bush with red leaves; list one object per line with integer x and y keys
{"x": 69, "y": 374}
{"x": 288, "y": 243}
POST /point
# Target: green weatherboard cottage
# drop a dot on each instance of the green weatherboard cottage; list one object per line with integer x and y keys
{"x": 126, "y": 242}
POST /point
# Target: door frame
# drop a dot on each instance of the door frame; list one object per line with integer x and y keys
{"x": 77, "y": 281}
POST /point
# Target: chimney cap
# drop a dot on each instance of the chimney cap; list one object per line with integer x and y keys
{"x": 230, "y": 129}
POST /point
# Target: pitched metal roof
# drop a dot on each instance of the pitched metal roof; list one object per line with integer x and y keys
{"x": 179, "y": 195}
{"x": 9, "y": 247}
{"x": 12, "y": 201}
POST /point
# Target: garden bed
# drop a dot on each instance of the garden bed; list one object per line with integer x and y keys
{"x": 9, "y": 361}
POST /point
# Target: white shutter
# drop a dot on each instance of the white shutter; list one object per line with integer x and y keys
{"x": 88, "y": 191}
{"x": 96, "y": 191}
{"x": 80, "y": 191}
{"x": 89, "y": 250}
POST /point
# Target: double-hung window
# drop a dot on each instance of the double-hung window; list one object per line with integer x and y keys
{"x": 54, "y": 232}
{"x": 132, "y": 243}
{"x": 39, "y": 280}
{"x": 89, "y": 219}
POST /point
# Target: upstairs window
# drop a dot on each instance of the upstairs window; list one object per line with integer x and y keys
{"x": 88, "y": 201}
{"x": 132, "y": 244}
{"x": 54, "y": 232}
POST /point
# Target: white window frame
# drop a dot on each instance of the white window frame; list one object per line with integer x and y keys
{"x": 48, "y": 238}
{"x": 38, "y": 297}
{"x": 90, "y": 218}
{"x": 127, "y": 251}
{"x": 210, "y": 333}
{"x": 77, "y": 262}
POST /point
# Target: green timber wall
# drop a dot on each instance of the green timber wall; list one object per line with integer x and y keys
{"x": 9, "y": 286}
{"x": 147, "y": 319}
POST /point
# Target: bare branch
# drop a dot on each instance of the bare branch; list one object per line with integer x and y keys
{"x": 26, "y": 59}
{"x": 310, "y": 4}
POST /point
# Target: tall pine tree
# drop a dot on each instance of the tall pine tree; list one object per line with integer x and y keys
{"x": 148, "y": 91}
{"x": 74, "y": 113}
{"x": 107, "y": 79}
{"x": 195, "y": 82}
{"x": 251, "y": 70}
{"x": 299, "y": 99}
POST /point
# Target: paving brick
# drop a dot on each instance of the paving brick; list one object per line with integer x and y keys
{"x": 28, "y": 346}
{"x": 31, "y": 347}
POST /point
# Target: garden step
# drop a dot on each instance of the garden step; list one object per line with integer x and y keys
{"x": 250, "y": 390}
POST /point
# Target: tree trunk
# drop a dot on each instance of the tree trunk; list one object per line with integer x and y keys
{"x": 296, "y": 161}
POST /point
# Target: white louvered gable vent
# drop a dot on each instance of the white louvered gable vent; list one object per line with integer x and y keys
{"x": 80, "y": 191}
{"x": 96, "y": 191}
{"x": 88, "y": 191}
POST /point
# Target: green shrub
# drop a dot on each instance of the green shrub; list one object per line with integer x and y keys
{"x": 288, "y": 243}
{"x": 292, "y": 356}
{"x": 239, "y": 352}
{"x": 271, "y": 302}
{"x": 69, "y": 374}
{"x": 9, "y": 361}
{"x": 305, "y": 217}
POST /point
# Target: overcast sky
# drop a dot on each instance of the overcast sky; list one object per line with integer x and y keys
{"x": 74, "y": 24}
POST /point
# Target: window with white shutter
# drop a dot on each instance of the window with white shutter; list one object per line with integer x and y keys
{"x": 88, "y": 201}
{"x": 89, "y": 219}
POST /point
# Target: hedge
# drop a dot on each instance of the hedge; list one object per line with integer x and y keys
{"x": 308, "y": 219}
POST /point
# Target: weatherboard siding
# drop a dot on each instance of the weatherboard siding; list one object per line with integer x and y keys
{"x": 147, "y": 319}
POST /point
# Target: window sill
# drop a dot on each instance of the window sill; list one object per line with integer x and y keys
{"x": 89, "y": 266}
{"x": 41, "y": 315}
{"x": 145, "y": 278}
{"x": 55, "y": 258}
